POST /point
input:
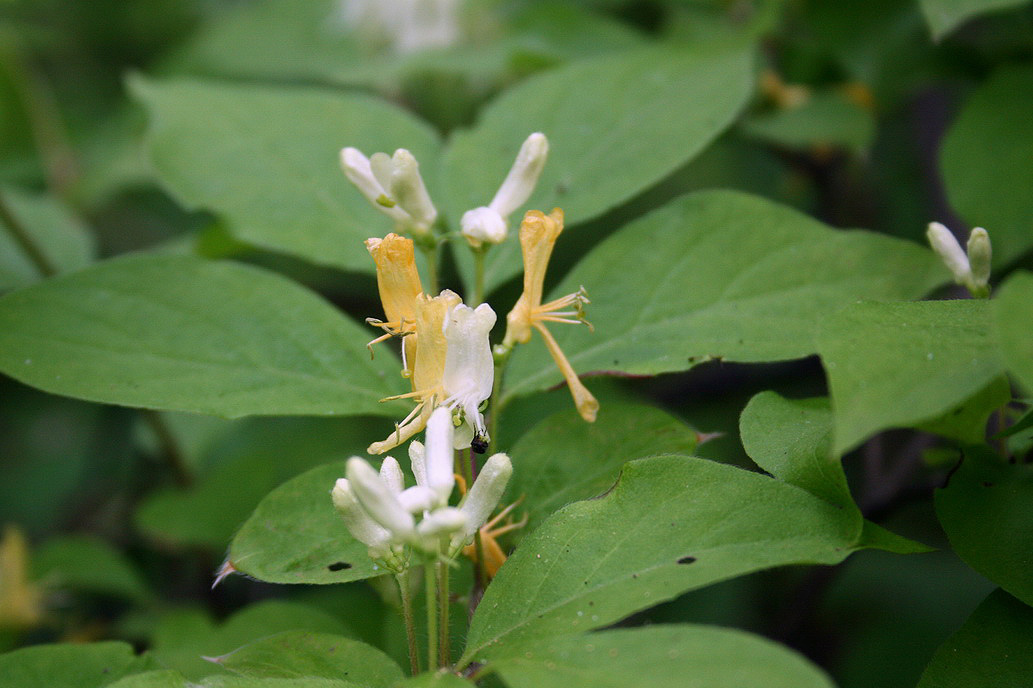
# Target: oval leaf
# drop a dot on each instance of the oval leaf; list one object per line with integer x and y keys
{"x": 731, "y": 276}
{"x": 659, "y": 657}
{"x": 184, "y": 334}
{"x": 71, "y": 666}
{"x": 1013, "y": 311}
{"x": 266, "y": 160}
{"x": 616, "y": 125}
{"x": 671, "y": 524}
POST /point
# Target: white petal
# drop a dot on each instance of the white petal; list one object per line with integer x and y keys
{"x": 377, "y": 499}
{"x": 391, "y": 475}
{"x": 356, "y": 520}
{"x": 417, "y": 499}
{"x": 486, "y": 492}
{"x": 419, "y": 466}
{"x": 438, "y": 454}
{"x": 469, "y": 366}
{"x": 947, "y": 247}
{"x": 382, "y": 167}
{"x": 523, "y": 176}
{"x": 358, "y": 170}
{"x": 444, "y": 521}
{"x": 483, "y": 225}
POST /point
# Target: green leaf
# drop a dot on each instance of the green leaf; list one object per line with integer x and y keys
{"x": 435, "y": 680}
{"x": 827, "y": 118}
{"x": 564, "y": 459}
{"x": 616, "y": 125}
{"x": 671, "y": 524}
{"x": 984, "y": 510}
{"x": 57, "y": 237}
{"x": 1012, "y": 310}
{"x": 792, "y": 440}
{"x": 943, "y": 16}
{"x": 966, "y": 422}
{"x": 660, "y": 657}
{"x": 296, "y": 654}
{"x": 901, "y": 364}
{"x": 70, "y": 666}
{"x": 153, "y": 679}
{"x": 296, "y": 536}
{"x": 985, "y": 162}
{"x": 88, "y": 564}
{"x": 182, "y": 333}
{"x": 993, "y": 648}
{"x": 732, "y": 276}
{"x": 265, "y": 159}
{"x": 184, "y": 638}
{"x": 250, "y": 461}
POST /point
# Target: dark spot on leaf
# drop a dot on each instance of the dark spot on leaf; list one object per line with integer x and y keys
{"x": 634, "y": 575}
{"x": 987, "y": 484}
{"x": 687, "y": 560}
{"x": 616, "y": 362}
{"x": 339, "y": 566}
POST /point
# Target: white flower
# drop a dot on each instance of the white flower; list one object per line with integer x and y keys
{"x": 469, "y": 367}
{"x": 971, "y": 270}
{"x": 379, "y": 500}
{"x": 488, "y": 224}
{"x": 358, "y": 522}
{"x": 393, "y": 185}
{"x": 405, "y": 25}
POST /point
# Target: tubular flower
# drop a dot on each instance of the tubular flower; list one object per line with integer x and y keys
{"x": 488, "y": 224}
{"x": 399, "y": 286}
{"x": 393, "y": 185}
{"x": 469, "y": 368}
{"x": 971, "y": 269}
{"x": 392, "y": 520}
{"x": 538, "y": 234}
{"x": 428, "y": 367}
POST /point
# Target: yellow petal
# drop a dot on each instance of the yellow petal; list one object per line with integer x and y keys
{"x": 397, "y": 278}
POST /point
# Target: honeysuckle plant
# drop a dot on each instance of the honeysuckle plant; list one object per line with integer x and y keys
{"x": 358, "y": 423}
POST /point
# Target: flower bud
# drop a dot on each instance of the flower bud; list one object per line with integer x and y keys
{"x": 417, "y": 499}
{"x": 483, "y": 226}
{"x": 979, "y": 254}
{"x": 391, "y": 475}
{"x": 523, "y": 176}
{"x": 947, "y": 247}
{"x": 485, "y": 493}
{"x": 357, "y": 521}
{"x": 438, "y": 454}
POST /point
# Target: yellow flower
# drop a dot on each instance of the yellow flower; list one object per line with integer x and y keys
{"x": 428, "y": 367}
{"x": 399, "y": 286}
{"x": 538, "y": 234}
{"x": 21, "y": 602}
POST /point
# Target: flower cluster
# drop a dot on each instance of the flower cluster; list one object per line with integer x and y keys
{"x": 971, "y": 269}
{"x": 393, "y": 520}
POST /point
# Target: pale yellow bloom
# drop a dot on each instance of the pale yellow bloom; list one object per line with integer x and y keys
{"x": 21, "y": 601}
{"x": 538, "y": 234}
{"x": 428, "y": 366}
{"x": 399, "y": 286}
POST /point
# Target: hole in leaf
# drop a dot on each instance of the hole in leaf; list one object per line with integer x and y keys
{"x": 686, "y": 560}
{"x": 339, "y": 566}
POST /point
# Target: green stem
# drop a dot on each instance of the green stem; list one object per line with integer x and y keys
{"x": 25, "y": 241}
{"x": 441, "y": 573}
{"x": 501, "y": 356}
{"x": 169, "y": 447}
{"x": 430, "y": 252}
{"x": 478, "y": 275}
{"x": 430, "y": 587}
{"x": 410, "y": 625}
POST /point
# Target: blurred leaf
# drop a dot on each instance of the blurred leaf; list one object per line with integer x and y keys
{"x": 185, "y": 637}
{"x": 63, "y": 242}
{"x": 946, "y": 15}
{"x": 71, "y": 666}
{"x": 181, "y": 333}
{"x": 984, "y": 510}
{"x": 239, "y": 152}
{"x": 87, "y": 564}
{"x": 985, "y": 161}
{"x": 731, "y": 276}
{"x": 671, "y": 524}
{"x": 162, "y": 678}
{"x": 792, "y": 440}
{"x": 300, "y": 653}
{"x": 616, "y": 125}
{"x": 296, "y": 536}
{"x": 993, "y": 648}
{"x": 251, "y": 460}
{"x": 434, "y": 680}
{"x": 1013, "y": 310}
{"x": 564, "y": 459}
{"x": 893, "y": 365}
{"x": 825, "y": 119}
{"x": 658, "y": 656}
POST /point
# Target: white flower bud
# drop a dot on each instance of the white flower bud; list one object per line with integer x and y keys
{"x": 483, "y": 225}
{"x": 469, "y": 367}
{"x": 445, "y": 521}
{"x": 523, "y": 176}
{"x": 417, "y": 499}
{"x": 438, "y": 454}
{"x": 416, "y": 460}
{"x": 409, "y": 191}
{"x": 947, "y": 247}
{"x": 485, "y": 494}
{"x": 979, "y": 255}
{"x": 358, "y": 522}
{"x": 393, "y": 186}
{"x": 391, "y": 475}
{"x": 378, "y": 500}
